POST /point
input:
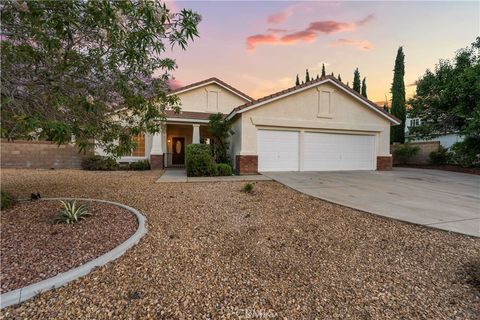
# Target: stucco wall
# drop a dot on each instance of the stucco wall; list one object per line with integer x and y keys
{"x": 200, "y": 100}
{"x": 40, "y": 155}
{"x": 236, "y": 140}
{"x": 307, "y": 110}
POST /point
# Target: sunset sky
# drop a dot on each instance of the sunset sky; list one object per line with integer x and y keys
{"x": 259, "y": 47}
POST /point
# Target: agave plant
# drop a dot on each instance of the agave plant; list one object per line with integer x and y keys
{"x": 71, "y": 213}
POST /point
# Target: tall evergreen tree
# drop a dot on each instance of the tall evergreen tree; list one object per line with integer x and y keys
{"x": 339, "y": 78}
{"x": 297, "y": 82}
{"x": 307, "y": 76}
{"x": 398, "y": 97}
{"x": 318, "y": 77}
{"x": 356, "y": 80}
{"x": 364, "y": 87}
{"x": 323, "y": 70}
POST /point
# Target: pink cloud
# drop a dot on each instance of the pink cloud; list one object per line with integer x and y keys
{"x": 330, "y": 26}
{"x": 278, "y": 17}
{"x": 174, "y": 84}
{"x": 359, "y": 44}
{"x": 365, "y": 20}
{"x": 307, "y": 36}
{"x": 310, "y": 33}
{"x": 252, "y": 41}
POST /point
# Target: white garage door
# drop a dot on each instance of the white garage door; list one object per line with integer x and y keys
{"x": 278, "y": 150}
{"x": 330, "y": 152}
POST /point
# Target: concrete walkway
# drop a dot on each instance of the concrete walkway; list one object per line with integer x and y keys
{"x": 440, "y": 199}
{"x": 179, "y": 175}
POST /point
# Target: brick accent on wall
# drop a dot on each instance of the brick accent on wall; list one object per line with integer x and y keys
{"x": 156, "y": 161}
{"x": 423, "y": 156}
{"x": 246, "y": 164}
{"x": 40, "y": 155}
{"x": 384, "y": 163}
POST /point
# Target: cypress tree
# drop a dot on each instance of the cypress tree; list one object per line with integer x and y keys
{"x": 339, "y": 78}
{"x": 297, "y": 82}
{"x": 398, "y": 97}
{"x": 356, "y": 80}
{"x": 332, "y": 75}
{"x": 307, "y": 76}
{"x": 364, "y": 87}
{"x": 318, "y": 77}
{"x": 323, "y": 70}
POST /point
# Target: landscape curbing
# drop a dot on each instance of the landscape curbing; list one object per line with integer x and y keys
{"x": 30, "y": 291}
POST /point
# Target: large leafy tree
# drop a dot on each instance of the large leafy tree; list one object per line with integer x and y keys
{"x": 356, "y": 80}
{"x": 447, "y": 99}
{"x": 398, "y": 97}
{"x": 86, "y": 69}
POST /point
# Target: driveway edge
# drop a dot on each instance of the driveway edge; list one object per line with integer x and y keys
{"x": 30, "y": 291}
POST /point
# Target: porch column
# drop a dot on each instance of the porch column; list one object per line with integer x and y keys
{"x": 196, "y": 133}
{"x": 156, "y": 153}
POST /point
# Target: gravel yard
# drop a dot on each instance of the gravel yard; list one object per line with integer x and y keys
{"x": 33, "y": 248}
{"x": 215, "y": 252}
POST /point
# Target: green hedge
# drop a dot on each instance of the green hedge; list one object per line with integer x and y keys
{"x": 96, "y": 163}
{"x": 224, "y": 169}
{"x": 199, "y": 162}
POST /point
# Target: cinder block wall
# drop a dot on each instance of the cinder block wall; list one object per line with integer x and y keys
{"x": 40, "y": 155}
{"x": 423, "y": 155}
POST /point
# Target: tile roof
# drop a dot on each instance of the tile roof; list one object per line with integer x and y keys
{"x": 213, "y": 79}
{"x": 307, "y": 84}
{"x": 188, "y": 115}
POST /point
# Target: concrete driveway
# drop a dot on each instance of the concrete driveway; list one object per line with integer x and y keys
{"x": 439, "y": 199}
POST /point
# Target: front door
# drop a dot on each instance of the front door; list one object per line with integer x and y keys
{"x": 178, "y": 150}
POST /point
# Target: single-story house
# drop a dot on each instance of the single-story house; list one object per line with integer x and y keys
{"x": 321, "y": 125}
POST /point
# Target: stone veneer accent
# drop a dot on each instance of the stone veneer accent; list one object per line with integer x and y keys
{"x": 40, "y": 155}
{"x": 246, "y": 164}
{"x": 384, "y": 163}
{"x": 156, "y": 162}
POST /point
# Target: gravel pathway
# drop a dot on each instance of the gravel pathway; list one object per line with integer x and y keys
{"x": 215, "y": 252}
{"x": 33, "y": 248}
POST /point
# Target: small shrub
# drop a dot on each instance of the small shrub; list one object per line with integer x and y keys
{"x": 439, "y": 157}
{"x": 199, "y": 162}
{"x": 96, "y": 163}
{"x": 140, "y": 165}
{"x": 466, "y": 153}
{"x": 404, "y": 152}
{"x": 7, "y": 200}
{"x": 224, "y": 169}
{"x": 247, "y": 187}
{"x": 71, "y": 213}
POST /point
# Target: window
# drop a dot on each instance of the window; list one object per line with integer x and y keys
{"x": 139, "y": 151}
{"x": 414, "y": 122}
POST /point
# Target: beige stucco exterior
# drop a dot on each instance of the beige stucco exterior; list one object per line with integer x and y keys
{"x": 323, "y": 108}
{"x": 211, "y": 98}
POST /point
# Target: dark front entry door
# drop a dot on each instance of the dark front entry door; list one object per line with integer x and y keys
{"x": 178, "y": 151}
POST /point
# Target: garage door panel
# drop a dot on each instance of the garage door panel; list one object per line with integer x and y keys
{"x": 329, "y": 152}
{"x": 278, "y": 150}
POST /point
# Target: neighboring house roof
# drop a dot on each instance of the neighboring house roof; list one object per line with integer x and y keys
{"x": 210, "y": 81}
{"x": 170, "y": 114}
{"x": 310, "y": 84}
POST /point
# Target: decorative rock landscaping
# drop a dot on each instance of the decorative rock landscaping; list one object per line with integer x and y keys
{"x": 37, "y": 254}
{"x": 213, "y": 251}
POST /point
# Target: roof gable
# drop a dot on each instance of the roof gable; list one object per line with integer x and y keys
{"x": 327, "y": 79}
{"x": 216, "y": 81}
